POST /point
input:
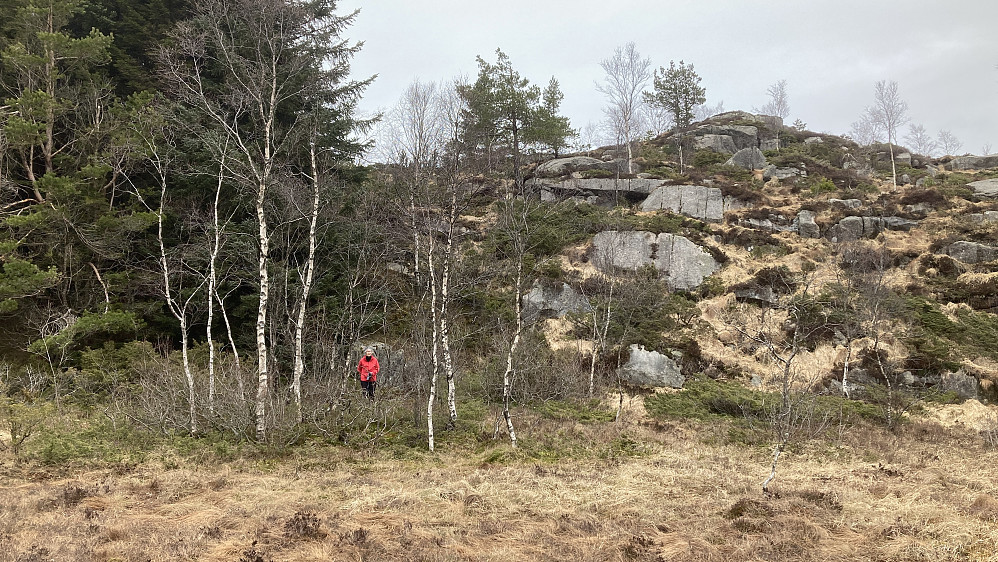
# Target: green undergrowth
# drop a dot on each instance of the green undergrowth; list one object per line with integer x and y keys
{"x": 708, "y": 400}
{"x": 940, "y": 340}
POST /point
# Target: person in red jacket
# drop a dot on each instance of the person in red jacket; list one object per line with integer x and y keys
{"x": 368, "y": 369}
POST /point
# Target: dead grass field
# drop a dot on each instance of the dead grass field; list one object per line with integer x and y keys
{"x": 683, "y": 493}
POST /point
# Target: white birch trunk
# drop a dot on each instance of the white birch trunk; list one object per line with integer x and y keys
{"x": 232, "y": 344}
{"x": 444, "y": 309}
{"x": 845, "y": 369}
{"x": 415, "y": 237}
{"x": 507, "y": 377}
{"x": 212, "y": 286}
{"x": 435, "y": 359}
{"x": 179, "y": 313}
{"x": 107, "y": 296}
{"x": 267, "y": 111}
{"x": 894, "y": 170}
{"x": 299, "y": 367}
{"x": 261, "y": 320}
{"x": 599, "y": 340}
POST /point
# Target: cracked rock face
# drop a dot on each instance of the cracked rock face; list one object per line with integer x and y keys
{"x": 748, "y": 158}
{"x": 699, "y": 202}
{"x": 854, "y": 228}
{"x": 547, "y": 300}
{"x": 971, "y": 252}
{"x": 681, "y": 263}
{"x": 564, "y": 166}
{"x": 985, "y": 188}
{"x": 651, "y": 368}
{"x": 973, "y": 163}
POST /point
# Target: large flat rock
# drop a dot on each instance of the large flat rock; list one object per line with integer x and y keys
{"x": 748, "y": 158}
{"x": 985, "y": 188}
{"x": 854, "y": 228}
{"x": 565, "y": 166}
{"x": 699, "y": 202}
{"x": 651, "y": 368}
{"x": 971, "y": 252}
{"x": 681, "y": 263}
{"x": 973, "y": 163}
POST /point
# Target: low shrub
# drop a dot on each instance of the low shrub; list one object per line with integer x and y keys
{"x": 706, "y": 157}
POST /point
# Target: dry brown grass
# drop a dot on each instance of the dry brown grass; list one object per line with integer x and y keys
{"x": 929, "y": 494}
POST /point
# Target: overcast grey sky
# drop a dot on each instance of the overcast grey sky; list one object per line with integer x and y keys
{"x": 942, "y": 54}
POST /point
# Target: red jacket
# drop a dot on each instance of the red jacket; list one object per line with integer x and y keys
{"x": 368, "y": 369}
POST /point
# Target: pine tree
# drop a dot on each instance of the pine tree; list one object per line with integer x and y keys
{"x": 549, "y": 129}
{"x": 501, "y": 107}
{"x": 678, "y": 90}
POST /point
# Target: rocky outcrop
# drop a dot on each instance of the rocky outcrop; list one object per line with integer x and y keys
{"x": 551, "y": 300}
{"x": 855, "y": 228}
{"x": 721, "y": 135}
{"x": 971, "y": 252}
{"x": 806, "y": 227}
{"x": 681, "y": 263}
{"x": 575, "y": 186}
{"x": 986, "y": 216}
{"x": 960, "y": 383}
{"x": 718, "y": 143}
{"x": 651, "y": 368}
{"x": 985, "y": 188}
{"x": 699, "y": 202}
{"x": 564, "y": 166}
{"x": 973, "y": 163}
{"x": 748, "y": 158}
{"x": 634, "y": 185}
{"x": 847, "y": 203}
{"x": 740, "y": 136}
{"x": 773, "y": 223}
{"x": 770, "y": 172}
{"x": 764, "y": 296}
{"x": 595, "y": 190}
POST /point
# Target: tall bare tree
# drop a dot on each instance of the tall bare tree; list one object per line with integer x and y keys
{"x": 948, "y": 142}
{"x": 867, "y": 129}
{"x": 627, "y": 74}
{"x": 316, "y": 179}
{"x": 783, "y": 331}
{"x": 779, "y": 100}
{"x": 892, "y": 113}
{"x": 920, "y": 141}
{"x": 778, "y": 104}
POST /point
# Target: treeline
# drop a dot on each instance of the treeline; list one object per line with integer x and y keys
{"x": 188, "y": 244}
{"x": 178, "y": 187}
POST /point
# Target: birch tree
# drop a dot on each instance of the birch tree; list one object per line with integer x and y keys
{"x": 784, "y": 331}
{"x": 176, "y": 302}
{"x": 920, "y": 141}
{"x": 891, "y": 112}
{"x": 867, "y": 129}
{"x": 778, "y": 104}
{"x": 315, "y": 179}
{"x": 627, "y": 74}
{"x": 150, "y": 130}
{"x": 255, "y": 70}
{"x": 779, "y": 100}
{"x": 948, "y": 142}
